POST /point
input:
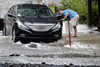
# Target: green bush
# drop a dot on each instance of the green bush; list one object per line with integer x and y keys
{"x": 80, "y": 6}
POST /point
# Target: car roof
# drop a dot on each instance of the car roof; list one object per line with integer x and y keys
{"x": 31, "y": 6}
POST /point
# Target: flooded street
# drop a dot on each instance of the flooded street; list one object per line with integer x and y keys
{"x": 85, "y": 50}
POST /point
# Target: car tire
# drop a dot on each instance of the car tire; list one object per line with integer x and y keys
{"x": 60, "y": 35}
{"x": 4, "y": 31}
{"x": 14, "y": 38}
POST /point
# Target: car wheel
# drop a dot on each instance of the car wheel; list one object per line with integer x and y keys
{"x": 14, "y": 38}
{"x": 4, "y": 31}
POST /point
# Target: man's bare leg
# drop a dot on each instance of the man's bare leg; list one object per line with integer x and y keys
{"x": 75, "y": 30}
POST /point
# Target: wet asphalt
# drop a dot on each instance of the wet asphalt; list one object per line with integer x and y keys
{"x": 84, "y": 50}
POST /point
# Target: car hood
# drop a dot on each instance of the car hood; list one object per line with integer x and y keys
{"x": 40, "y": 24}
{"x": 39, "y": 20}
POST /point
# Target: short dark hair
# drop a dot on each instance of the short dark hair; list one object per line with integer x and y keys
{"x": 60, "y": 9}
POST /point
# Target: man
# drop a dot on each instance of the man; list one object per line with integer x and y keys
{"x": 72, "y": 16}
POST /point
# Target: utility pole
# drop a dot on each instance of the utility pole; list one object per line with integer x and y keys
{"x": 89, "y": 13}
{"x": 99, "y": 15}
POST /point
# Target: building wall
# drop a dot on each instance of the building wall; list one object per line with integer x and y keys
{"x": 57, "y": 2}
{"x": 12, "y": 2}
{"x": 6, "y": 4}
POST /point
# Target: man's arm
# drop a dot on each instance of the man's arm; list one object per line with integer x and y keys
{"x": 65, "y": 16}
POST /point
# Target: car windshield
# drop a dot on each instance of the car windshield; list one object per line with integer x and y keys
{"x": 34, "y": 12}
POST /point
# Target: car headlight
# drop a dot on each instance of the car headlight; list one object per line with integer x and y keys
{"x": 20, "y": 25}
{"x": 58, "y": 26}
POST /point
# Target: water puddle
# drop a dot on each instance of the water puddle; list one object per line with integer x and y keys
{"x": 4, "y": 38}
{"x": 83, "y": 50}
{"x": 77, "y": 45}
{"x": 33, "y": 45}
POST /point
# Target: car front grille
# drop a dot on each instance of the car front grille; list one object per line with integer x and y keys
{"x": 42, "y": 27}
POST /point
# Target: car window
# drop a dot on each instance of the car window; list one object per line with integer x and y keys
{"x": 34, "y": 12}
{"x": 12, "y": 10}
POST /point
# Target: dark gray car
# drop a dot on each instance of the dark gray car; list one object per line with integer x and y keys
{"x": 30, "y": 22}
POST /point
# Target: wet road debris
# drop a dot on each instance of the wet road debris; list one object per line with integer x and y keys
{"x": 42, "y": 65}
{"x": 15, "y": 54}
{"x": 32, "y": 45}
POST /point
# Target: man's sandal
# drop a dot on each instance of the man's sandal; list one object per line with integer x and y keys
{"x": 75, "y": 36}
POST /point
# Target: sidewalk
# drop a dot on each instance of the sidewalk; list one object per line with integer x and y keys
{"x": 81, "y": 28}
{"x": 85, "y": 34}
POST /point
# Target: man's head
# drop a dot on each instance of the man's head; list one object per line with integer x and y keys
{"x": 61, "y": 11}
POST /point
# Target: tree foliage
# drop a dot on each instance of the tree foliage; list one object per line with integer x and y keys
{"x": 80, "y": 6}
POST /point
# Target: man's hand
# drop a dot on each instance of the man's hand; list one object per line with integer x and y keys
{"x": 63, "y": 19}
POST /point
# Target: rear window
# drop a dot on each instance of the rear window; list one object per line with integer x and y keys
{"x": 34, "y": 12}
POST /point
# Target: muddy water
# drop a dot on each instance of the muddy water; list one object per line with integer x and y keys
{"x": 84, "y": 50}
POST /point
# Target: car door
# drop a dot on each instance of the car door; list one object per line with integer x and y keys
{"x": 11, "y": 20}
{"x": 58, "y": 16}
{"x": 7, "y": 21}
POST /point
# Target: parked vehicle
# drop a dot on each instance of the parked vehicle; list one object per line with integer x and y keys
{"x": 1, "y": 23}
{"x": 31, "y": 22}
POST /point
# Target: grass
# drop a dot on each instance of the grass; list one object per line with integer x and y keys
{"x": 52, "y": 8}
